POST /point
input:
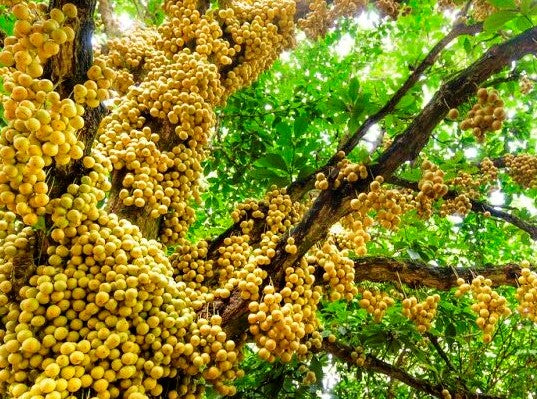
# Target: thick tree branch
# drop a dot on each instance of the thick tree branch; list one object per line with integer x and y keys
{"x": 477, "y": 206}
{"x": 420, "y": 274}
{"x": 70, "y": 67}
{"x": 331, "y": 205}
{"x": 298, "y": 188}
{"x": 343, "y": 352}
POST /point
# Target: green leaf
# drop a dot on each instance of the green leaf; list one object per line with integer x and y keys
{"x": 526, "y": 6}
{"x": 523, "y": 23}
{"x": 354, "y": 89}
{"x": 503, "y": 4}
{"x": 41, "y": 224}
{"x": 497, "y": 20}
{"x": 354, "y": 121}
{"x": 7, "y": 22}
{"x": 467, "y": 45}
{"x": 273, "y": 161}
{"x": 336, "y": 105}
{"x": 301, "y": 125}
{"x": 406, "y": 101}
{"x": 283, "y": 129}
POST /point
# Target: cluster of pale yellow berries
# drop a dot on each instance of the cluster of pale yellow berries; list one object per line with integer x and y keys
{"x": 526, "y": 293}
{"x": 131, "y": 56}
{"x": 523, "y": 169}
{"x": 488, "y": 305}
{"x": 391, "y": 8}
{"x": 421, "y": 313}
{"x": 189, "y": 72}
{"x": 460, "y": 205}
{"x": 389, "y": 205}
{"x": 321, "y": 182}
{"x": 446, "y": 4}
{"x": 309, "y": 378}
{"x": 349, "y": 172}
{"x": 470, "y": 185}
{"x": 42, "y": 127}
{"x": 485, "y": 116}
{"x": 354, "y": 236}
{"x": 431, "y": 186}
{"x": 376, "y": 303}
{"x": 96, "y": 89}
{"x": 482, "y": 9}
{"x": 322, "y": 16}
{"x": 283, "y": 323}
{"x": 526, "y": 84}
{"x": 191, "y": 266}
{"x": 338, "y": 271}
{"x": 16, "y": 246}
{"x": 489, "y": 171}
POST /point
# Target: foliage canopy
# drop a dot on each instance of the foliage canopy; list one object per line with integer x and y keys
{"x": 404, "y": 134}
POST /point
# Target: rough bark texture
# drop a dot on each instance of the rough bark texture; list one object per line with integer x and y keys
{"x": 343, "y": 353}
{"x": 418, "y": 274}
{"x": 70, "y": 67}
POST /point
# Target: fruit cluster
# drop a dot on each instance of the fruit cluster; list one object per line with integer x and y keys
{"x": 338, "y": 271}
{"x": 526, "y": 85}
{"x": 460, "y": 205}
{"x": 488, "y": 305}
{"x": 376, "y": 303}
{"x": 42, "y": 127}
{"x": 431, "y": 186}
{"x": 322, "y": 15}
{"x": 523, "y": 169}
{"x": 350, "y": 172}
{"x": 485, "y": 116}
{"x": 526, "y": 293}
{"x": 421, "y": 313}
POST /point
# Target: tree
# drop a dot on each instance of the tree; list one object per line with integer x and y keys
{"x": 121, "y": 274}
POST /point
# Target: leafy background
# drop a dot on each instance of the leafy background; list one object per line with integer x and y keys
{"x": 290, "y": 122}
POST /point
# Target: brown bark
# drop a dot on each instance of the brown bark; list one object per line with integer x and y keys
{"x": 419, "y": 274}
{"x": 343, "y": 352}
{"x": 70, "y": 67}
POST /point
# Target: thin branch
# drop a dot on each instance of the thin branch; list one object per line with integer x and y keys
{"x": 439, "y": 350}
{"x": 477, "y": 206}
{"x": 343, "y": 352}
{"x": 419, "y": 274}
{"x": 110, "y": 24}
